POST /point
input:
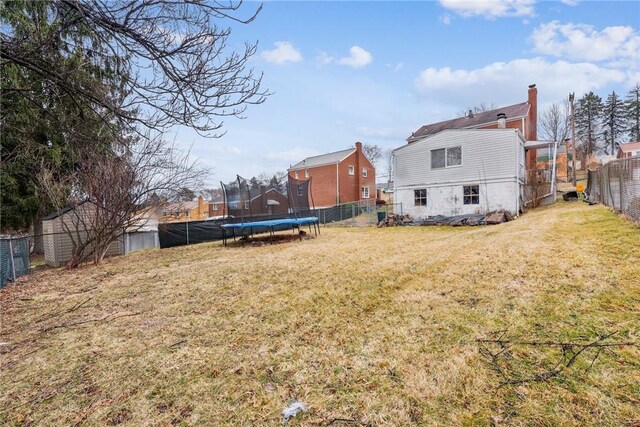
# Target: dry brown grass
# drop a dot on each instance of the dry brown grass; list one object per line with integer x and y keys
{"x": 377, "y": 326}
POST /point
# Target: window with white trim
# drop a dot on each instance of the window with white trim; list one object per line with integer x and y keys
{"x": 295, "y": 174}
{"x": 471, "y": 194}
{"x": 420, "y": 197}
{"x": 365, "y": 192}
{"x": 364, "y": 172}
{"x": 306, "y": 173}
{"x": 446, "y": 157}
{"x": 246, "y": 205}
{"x": 352, "y": 170}
{"x": 214, "y": 206}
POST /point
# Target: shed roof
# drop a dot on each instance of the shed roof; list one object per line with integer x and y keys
{"x": 62, "y": 211}
{"x": 630, "y": 146}
{"x": 476, "y": 120}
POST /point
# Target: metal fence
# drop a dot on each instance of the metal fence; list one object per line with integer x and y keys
{"x": 14, "y": 258}
{"x": 357, "y": 214}
{"x": 617, "y": 184}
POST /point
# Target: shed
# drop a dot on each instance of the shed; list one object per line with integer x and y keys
{"x": 58, "y": 244}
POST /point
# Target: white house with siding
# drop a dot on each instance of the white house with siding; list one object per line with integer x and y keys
{"x": 461, "y": 171}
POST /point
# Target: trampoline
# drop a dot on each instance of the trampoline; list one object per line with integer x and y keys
{"x": 270, "y": 225}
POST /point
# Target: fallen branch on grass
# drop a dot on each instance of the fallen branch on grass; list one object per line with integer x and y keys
{"x": 571, "y": 351}
{"x": 111, "y": 316}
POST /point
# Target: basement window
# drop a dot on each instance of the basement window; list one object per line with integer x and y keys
{"x": 420, "y": 197}
{"x": 471, "y": 194}
{"x": 352, "y": 170}
{"x": 446, "y": 157}
{"x": 365, "y": 192}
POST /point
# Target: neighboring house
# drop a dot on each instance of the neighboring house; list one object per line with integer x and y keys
{"x": 185, "y": 211}
{"x": 268, "y": 201}
{"x": 630, "y": 149}
{"x": 384, "y": 192}
{"x": 521, "y": 116}
{"x": 216, "y": 205}
{"x": 338, "y": 177}
{"x": 74, "y": 220}
{"x": 461, "y": 171}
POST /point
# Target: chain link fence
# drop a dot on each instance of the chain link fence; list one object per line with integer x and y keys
{"x": 364, "y": 213}
{"x": 14, "y": 258}
{"x": 617, "y": 185}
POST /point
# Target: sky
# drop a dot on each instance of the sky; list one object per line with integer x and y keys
{"x": 370, "y": 71}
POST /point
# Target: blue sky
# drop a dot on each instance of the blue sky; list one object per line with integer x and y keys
{"x": 342, "y": 72}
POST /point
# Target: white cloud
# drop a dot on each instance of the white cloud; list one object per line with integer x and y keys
{"x": 387, "y": 133}
{"x": 283, "y": 52}
{"x": 505, "y": 83}
{"x": 358, "y": 58}
{"x": 445, "y": 19}
{"x": 399, "y": 66}
{"x": 584, "y": 43}
{"x": 490, "y": 9}
{"x": 324, "y": 58}
{"x": 570, "y": 2}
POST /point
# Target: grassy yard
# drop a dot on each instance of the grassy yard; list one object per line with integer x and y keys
{"x": 365, "y": 326}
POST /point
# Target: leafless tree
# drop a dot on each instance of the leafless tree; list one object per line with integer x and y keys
{"x": 537, "y": 187}
{"x": 555, "y": 122}
{"x": 480, "y": 108}
{"x": 116, "y": 192}
{"x": 373, "y": 152}
{"x": 388, "y": 159}
{"x": 167, "y": 61}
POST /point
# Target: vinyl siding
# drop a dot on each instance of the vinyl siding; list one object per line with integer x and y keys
{"x": 486, "y": 155}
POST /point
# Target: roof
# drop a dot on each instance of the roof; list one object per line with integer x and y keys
{"x": 180, "y": 206}
{"x": 254, "y": 193}
{"x": 630, "y": 146}
{"x": 62, "y": 211}
{"x": 323, "y": 159}
{"x": 476, "y": 120}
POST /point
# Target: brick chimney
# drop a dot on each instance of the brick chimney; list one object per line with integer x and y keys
{"x": 502, "y": 121}
{"x": 359, "y": 146}
{"x": 532, "y": 127}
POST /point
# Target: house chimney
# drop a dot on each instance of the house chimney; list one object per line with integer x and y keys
{"x": 470, "y": 115}
{"x": 200, "y": 205}
{"x": 359, "y": 146}
{"x": 502, "y": 121}
{"x": 532, "y": 127}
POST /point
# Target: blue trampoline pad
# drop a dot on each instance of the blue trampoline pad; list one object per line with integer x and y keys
{"x": 271, "y": 223}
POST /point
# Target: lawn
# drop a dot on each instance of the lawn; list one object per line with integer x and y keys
{"x": 365, "y": 326}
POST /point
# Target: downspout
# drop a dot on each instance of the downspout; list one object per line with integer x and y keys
{"x": 337, "y": 183}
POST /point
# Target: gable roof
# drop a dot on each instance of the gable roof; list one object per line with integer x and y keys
{"x": 629, "y": 146}
{"x": 478, "y": 119}
{"x": 254, "y": 193}
{"x": 323, "y": 159}
{"x": 63, "y": 211}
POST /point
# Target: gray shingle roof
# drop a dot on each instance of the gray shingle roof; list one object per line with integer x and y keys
{"x": 478, "y": 119}
{"x": 323, "y": 159}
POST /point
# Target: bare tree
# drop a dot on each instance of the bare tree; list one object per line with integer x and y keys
{"x": 373, "y": 152}
{"x": 115, "y": 192}
{"x": 388, "y": 159}
{"x": 167, "y": 61}
{"x": 479, "y": 108}
{"x": 555, "y": 122}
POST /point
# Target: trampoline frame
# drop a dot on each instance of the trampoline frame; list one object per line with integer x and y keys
{"x": 295, "y": 223}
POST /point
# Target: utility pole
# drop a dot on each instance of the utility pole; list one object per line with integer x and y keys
{"x": 573, "y": 138}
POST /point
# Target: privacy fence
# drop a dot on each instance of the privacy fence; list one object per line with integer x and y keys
{"x": 363, "y": 213}
{"x": 617, "y": 184}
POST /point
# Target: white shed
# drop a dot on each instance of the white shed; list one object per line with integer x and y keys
{"x": 461, "y": 171}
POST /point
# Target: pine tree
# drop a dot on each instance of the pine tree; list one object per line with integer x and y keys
{"x": 632, "y": 107}
{"x": 588, "y": 119}
{"x": 614, "y": 121}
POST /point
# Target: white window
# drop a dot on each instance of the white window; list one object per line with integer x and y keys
{"x": 295, "y": 174}
{"x": 352, "y": 170}
{"x": 306, "y": 173}
{"x": 364, "y": 172}
{"x": 247, "y": 204}
{"x": 446, "y": 157}
{"x": 214, "y": 206}
{"x": 365, "y": 192}
{"x": 420, "y": 197}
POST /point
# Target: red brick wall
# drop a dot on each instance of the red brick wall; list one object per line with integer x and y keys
{"x": 323, "y": 184}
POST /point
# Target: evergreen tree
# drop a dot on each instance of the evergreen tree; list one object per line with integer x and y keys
{"x": 614, "y": 121}
{"x": 588, "y": 119}
{"x": 632, "y": 105}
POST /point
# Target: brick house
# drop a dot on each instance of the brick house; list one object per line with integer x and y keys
{"x": 185, "y": 211}
{"x": 263, "y": 201}
{"x": 339, "y": 177}
{"x": 523, "y": 116}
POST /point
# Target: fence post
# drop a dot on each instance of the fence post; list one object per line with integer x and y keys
{"x": 13, "y": 264}
{"x": 621, "y": 185}
{"x": 187, "y": 223}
